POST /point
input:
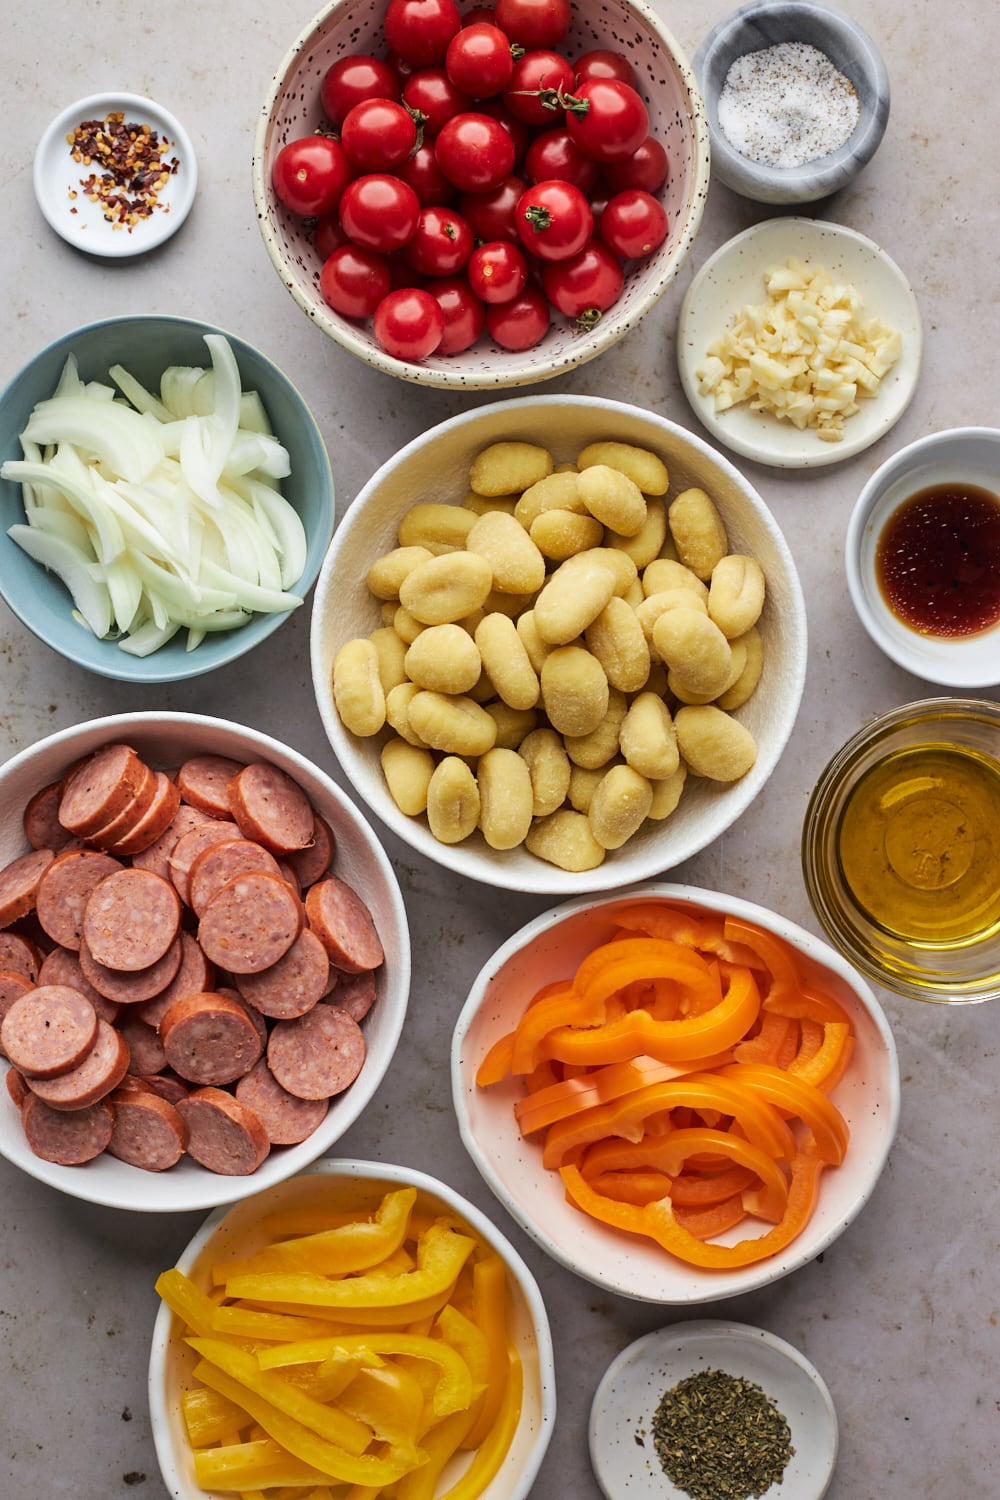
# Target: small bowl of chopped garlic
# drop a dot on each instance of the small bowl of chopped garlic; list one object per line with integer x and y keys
{"x": 797, "y": 100}
{"x": 799, "y": 343}
{"x": 166, "y": 494}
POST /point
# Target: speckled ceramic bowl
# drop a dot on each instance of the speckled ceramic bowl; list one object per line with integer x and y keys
{"x": 676, "y": 118}
{"x": 755, "y": 27}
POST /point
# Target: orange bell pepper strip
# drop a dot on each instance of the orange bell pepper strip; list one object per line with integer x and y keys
{"x": 658, "y": 1222}
{"x": 631, "y": 1187}
{"x": 766, "y": 1045}
{"x": 704, "y": 931}
{"x": 681, "y": 1145}
{"x": 701, "y": 1189}
{"x": 615, "y": 965}
{"x": 690, "y": 1036}
{"x": 626, "y": 1117}
{"x": 798, "y": 1098}
{"x": 826, "y": 1066}
{"x": 538, "y": 1111}
{"x": 496, "y": 1065}
{"x": 705, "y": 1223}
{"x": 568, "y": 1007}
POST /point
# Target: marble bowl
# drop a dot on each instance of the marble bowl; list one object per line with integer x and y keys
{"x": 356, "y": 1185}
{"x": 960, "y": 458}
{"x": 166, "y": 739}
{"x": 292, "y": 108}
{"x": 146, "y": 344}
{"x": 548, "y": 950}
{"x": 757, "y": 26}
{"x": 436, "y": 466}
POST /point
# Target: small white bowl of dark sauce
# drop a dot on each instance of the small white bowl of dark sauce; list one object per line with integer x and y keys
{"x": 797, "y": 100}
{"x": 923, "y": 557}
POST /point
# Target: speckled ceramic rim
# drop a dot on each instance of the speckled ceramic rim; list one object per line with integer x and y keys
{"x": 939, "y": 720}
{"x": 569, "y": 349}
{"x": 166, "y": 1421}
{"x": 630, "y": 1390}
{"x": 50, "y": 173}
{"x": 607, "y": 1257}
{"x": 961, "y": 455}
{"x": 855, "y": 55}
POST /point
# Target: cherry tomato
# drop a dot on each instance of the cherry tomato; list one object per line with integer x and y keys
{"x": 474, "y": 152}
{"x": 480, "y": 15}
{"x": 554, "y": 220}
{"x": 378, "y": 134}
{"x": 491, "y": 214}
{"x": 432, "y": 92}
{"x": 633, "y": 224}
{"x": 353, "y": 281}
{"x": 425, "y": 177}
{"x": 602, "y": 63}
{"x": 537, "y": 81}
{"x": 409, "y": 323}
{"x": 379, "y": 211}
{"x": 310, "y": 174}
{"x": 552, "y": 154}
{"x": 497, "y": 271}
{"x": 441, "y": 244}
{"x": 519, "y": 133}
{"x": 464, "y": 313}
{"x": 353, "y": 79}
{"x": 479, "y": 60}
{"x": 521, "y": 323}
{"x": 646, "y": 168}
{"x": 586, "y": 286}
{"x": 418, "y": 31}
{"x": 533, "y": 23}
{"x": 606, "y": 119}
{"x": 328, "y": 235}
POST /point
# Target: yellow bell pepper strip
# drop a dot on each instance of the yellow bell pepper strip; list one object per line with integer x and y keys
{"x": 453, "y": 1382}
{"x": 800, "y": 1099}
{"x": 469, "y": 1341}
{"x": 210, "y": 1418}
{"x": 330, "y": 1422}
{"x": 389, "y": 1401}
{"x": 236, "y": 1321}
{"x": 635, "y": 1034}
{"x": 356, "y": 1246}
{"x": 328, "y": 1460}
{"x": 493, "y": 1448}
{"x": 766, "y": 1045}
{"x": 827, "y": 1065}
{"x": 262, "y": 1464}
{"x": 195, "y": 1310}
{"x": 626, "y": 1117}
{"x": 490, "y": 1298}
{"x": 559, "y": 1100}
{"x": 705, "y": 1223}
{"x": 441, "y": 1253}
{"x": 440, "y": 1444}
{"x": 658, "y": 1222}
{"x": 335, "y": 1373}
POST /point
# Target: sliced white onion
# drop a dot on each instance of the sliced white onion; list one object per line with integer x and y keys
{"x": 90, "y": 596}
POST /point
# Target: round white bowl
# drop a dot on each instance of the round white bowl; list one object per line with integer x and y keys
{"x": 851, "y": 50}
{"x": 236, "y": 1233}
{"x": 292, "y": 109}
{"x": 634, "y": 1383}
{"x": 436, "y": 465}
{"x": 959, "y": 456}
{"x": 146, "y": 344}
{"x": 166, "y": 739}
{"x": 549, "y": 949}
{"x": 68, "y": 210}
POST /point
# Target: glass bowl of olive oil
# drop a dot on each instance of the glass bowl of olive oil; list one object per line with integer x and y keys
{"x": 901, "y": 850}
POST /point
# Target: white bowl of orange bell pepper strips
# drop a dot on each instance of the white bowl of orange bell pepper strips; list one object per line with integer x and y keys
{"x": 354, "y": 1329}
{"x": 679, "y": 1095}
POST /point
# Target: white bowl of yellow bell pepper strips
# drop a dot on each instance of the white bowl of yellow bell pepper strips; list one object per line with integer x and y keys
{"x": 357, "y": 1325}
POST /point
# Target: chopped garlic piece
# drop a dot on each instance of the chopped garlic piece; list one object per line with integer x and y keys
{"x": 806, "y": 355}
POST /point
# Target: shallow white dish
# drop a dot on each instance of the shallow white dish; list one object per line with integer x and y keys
{"x": 166, "y": 739}
{"x": 233, "y": 1233}
{"x": 82, "y": 223}
{"x": 621, "y": 1417}
{"x": 960, "y": 456}
{"x": 734, "y": 277}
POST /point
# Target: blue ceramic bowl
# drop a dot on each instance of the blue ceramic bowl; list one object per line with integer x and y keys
{"x": 146, "y": 345}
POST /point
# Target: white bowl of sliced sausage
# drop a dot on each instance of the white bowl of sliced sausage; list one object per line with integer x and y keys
{"x": 204, "y": 961}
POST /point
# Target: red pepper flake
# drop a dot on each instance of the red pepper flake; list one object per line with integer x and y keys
{"x": 132, "y": 168}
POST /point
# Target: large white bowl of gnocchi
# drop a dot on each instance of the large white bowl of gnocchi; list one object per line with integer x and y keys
{"x": 558, "y": 644}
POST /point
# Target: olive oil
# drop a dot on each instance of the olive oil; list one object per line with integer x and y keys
{"x": 919, "y": 844}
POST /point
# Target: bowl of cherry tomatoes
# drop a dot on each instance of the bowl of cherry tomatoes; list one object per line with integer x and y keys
{"x": 478, "y": 198}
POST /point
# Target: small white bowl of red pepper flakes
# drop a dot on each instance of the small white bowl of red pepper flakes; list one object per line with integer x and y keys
{"x": 115, "y": 174}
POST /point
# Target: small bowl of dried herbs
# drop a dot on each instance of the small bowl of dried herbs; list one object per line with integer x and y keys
{"x": 712, "y": 1411}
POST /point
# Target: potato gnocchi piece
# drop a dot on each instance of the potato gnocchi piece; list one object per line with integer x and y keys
{"x": 565, "y": 839}
{"x": 452, "y": 801}
{"x": 505, "y": 467}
